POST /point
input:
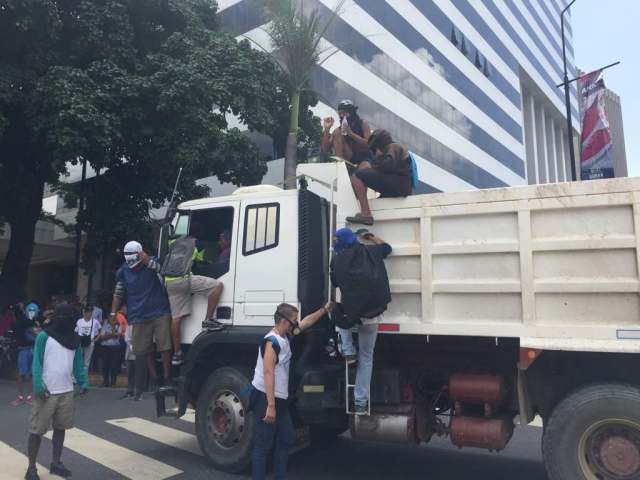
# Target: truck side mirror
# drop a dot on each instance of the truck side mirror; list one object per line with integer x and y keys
{"x": 166, "y": 232}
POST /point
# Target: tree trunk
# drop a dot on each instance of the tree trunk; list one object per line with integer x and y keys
{"x": 15, "y": 269}
{"x": 290, "y": 161}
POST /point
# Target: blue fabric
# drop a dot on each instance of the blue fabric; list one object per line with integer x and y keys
{"x": 281, "y": 432}
{"x": 25, "y": 358}
{"x": 344, "y": 239}
{"x": 145, "y": 297}
{"x": 414, "y": 171}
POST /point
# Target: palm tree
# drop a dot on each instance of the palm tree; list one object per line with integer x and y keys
{"x": 296, "y": 38}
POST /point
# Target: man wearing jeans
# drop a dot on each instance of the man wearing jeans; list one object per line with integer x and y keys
{"x": 342, "y": 278}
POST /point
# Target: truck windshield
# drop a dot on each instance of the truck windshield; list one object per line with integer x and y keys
{"x": 182, "y": 225}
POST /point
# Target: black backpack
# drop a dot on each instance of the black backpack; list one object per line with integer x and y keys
{"x": 360, "y": 274}
{"x": 179, "y": 258}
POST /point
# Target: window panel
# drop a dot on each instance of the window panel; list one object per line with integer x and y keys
{"x": 262, "y": 227}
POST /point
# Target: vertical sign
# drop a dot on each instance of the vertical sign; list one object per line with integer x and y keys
{"x": 596, "y": 160}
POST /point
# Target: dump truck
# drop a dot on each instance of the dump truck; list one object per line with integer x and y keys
{"x": 507, "y": 304}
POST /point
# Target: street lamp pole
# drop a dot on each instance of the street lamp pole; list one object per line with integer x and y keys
{"x": 567, "y": 97}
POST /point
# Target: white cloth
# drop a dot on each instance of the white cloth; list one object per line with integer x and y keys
{"x": 128, "y": 354}
{"x": 282, "y": 367}
{"x": 87, "y": 327}
{"x": 57, "y": 367}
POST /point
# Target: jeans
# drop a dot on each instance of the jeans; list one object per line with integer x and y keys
{"x": 367, "y": 335}
{"x": 265, "y": 434}
{"x": 87, "y": 352}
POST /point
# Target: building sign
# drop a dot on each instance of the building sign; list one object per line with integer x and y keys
{"x": 596, "y": 160}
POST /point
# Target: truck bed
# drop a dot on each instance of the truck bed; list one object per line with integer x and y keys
{"x": 555, "y": 265}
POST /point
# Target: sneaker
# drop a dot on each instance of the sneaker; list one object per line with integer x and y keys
{"x": 59, "y": 469}
{"x": 137, "y": 397}
{"x": 177, "y": 359}
{"x": 29, "y": 400}
{"x": 18, "y": 401}
{"x": 126, "y": 395}
{"x": 361, "y": 219}
{"x": 361, "y": 409}
{"x": 212, "y": 325}
{"x": 32, "y": 474}
{"x": 351, "y": 359}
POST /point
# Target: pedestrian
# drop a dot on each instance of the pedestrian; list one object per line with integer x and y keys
{"x": 110, "y": 335}
{"x": 389, "y": 174}
{"x": 364, "y": 287}
{"x": 147, "y": 308}
{"x": 87, "y": 329}
{"x": 181, "y": 288}
{"x": 57, "y": 356}
{"x": 25, "y": 334}
{"x": 273, "y": 425}
{"x": 130, "y": 359}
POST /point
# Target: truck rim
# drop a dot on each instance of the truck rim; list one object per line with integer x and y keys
{"x": 610, "y": 450}
{"x": 225, "y": 419}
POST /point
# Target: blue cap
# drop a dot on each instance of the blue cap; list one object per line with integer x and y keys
{"x": 344, "y": 239}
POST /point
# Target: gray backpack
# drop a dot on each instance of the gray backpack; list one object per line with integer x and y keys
{"x": 179, "y": 258}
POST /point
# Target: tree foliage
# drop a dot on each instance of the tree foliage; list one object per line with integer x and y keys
{"x": 136, "y": 88}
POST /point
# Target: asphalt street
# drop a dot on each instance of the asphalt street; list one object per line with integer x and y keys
{"x": 118, "y": 439}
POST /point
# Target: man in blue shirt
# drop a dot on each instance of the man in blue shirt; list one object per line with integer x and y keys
{"x": 138, "y": 282}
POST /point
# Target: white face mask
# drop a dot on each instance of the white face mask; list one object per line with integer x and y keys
{"x": 31, "y": 314}
{"x": 131, "y": 260}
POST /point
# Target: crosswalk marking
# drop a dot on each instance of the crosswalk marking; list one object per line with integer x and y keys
{"x": 126, "y": 462}
{"x": 165, "y": 435}
{"x": 14, "y": 465}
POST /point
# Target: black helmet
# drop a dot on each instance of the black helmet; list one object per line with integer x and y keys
{"x": 347, "y": 106}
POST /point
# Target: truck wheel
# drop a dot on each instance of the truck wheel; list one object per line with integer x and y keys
{"x": 223, "y": 427}
{"x": 594, "y": 434}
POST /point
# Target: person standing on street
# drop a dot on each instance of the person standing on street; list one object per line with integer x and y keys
{"x": 271, "y": 390}
{"x": 87, "y": 329}
{"x": 57, "y": 360}
{"x": 148, "y": 310}
{"x": 109, "y": 337}
{"x": 26, "y": 331}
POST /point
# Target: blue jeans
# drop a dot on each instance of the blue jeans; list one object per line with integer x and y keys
{"x": 367, "y": 335}
{"x": 25, "y": 359}
{"x": 265, "y": 434}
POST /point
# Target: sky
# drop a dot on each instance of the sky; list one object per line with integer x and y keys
{"x": 605, "y": 31}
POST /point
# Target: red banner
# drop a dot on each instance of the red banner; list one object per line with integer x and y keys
{"x": 595, "y": 141}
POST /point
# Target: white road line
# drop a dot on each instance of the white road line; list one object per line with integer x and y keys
{"x": 189, "y": 416}
{"x": 127, "y": 463}
{"x": 166, "y": 435}
{"x": 14, "y": 465}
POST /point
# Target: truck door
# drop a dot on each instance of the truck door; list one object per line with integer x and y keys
{"x": 267, "y": 258}
{"x": 211, "y": 223}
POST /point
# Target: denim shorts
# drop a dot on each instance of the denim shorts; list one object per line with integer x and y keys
{"x": 25, "y": 359}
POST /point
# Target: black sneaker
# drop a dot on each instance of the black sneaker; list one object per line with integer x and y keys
{"x": 32, "y": 474}
{"x": 360, "y": 409}
{"x": 60, "y": 469}
{"x": 177, "y": 359}
{"x": 212, "y": 325}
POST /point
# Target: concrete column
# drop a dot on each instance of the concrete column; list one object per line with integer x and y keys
{"x": 530, "y": 143}
{"x": 552, "y": 161}
{"x": 562, "y": 159}
{"x": 541, "y": 137}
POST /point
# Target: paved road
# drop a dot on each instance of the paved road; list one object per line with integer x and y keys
{"x": 118, "y": 439}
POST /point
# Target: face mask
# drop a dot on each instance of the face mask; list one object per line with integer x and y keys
{"x": 31, "y": 314}
{"x": 131, "y": 260}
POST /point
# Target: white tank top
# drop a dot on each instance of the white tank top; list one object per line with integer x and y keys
{"x": 282, "y": 347}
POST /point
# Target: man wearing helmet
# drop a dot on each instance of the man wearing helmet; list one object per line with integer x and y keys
{"x": 349, "y": 139}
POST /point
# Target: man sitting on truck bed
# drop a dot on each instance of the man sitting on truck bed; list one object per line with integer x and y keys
{"x": 389, "y": 174}
{"x": 363, "y": 301}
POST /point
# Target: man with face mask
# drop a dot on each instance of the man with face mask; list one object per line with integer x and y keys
{"x": 137, "y": 280}
{"x": 349, "y": 139}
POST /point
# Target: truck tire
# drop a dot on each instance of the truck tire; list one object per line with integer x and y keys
{"x": 223, "y": 427}
{"x": 594, "y": 434}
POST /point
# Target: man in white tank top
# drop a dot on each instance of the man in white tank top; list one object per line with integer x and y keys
{"x": 271, "y": 381}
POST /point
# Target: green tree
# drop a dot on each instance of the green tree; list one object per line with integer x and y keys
{"x": 136, "y": 88}
{"x": 296, "y": 35}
